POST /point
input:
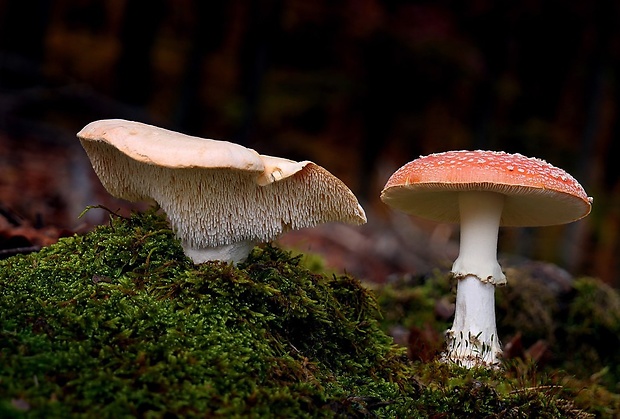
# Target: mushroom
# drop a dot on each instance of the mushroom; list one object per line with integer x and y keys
{"x": 483, "y": 190}
{"x": 221, "y": 198}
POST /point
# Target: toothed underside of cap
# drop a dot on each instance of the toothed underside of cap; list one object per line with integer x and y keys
{"x": 215, "y": 207}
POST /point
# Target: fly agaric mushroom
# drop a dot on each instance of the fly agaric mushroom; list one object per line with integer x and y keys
{"x": 221, "y": 198}
{"x": 483, "y": 190}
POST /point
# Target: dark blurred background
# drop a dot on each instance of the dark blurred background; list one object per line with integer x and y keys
{"x": 358, "y": 86}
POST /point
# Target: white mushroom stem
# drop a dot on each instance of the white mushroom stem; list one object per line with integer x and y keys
{"x": 234, "y": 252}
{"x": 473, "y": 340}
{"x": 480, "y": 214}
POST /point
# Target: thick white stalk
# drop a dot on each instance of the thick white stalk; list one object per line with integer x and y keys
{"x": 235, "y": 252}
{"x": 480, "y": 214}
{"x": 473, "y": 340}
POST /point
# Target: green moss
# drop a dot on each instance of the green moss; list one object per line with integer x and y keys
{"x": 580, "y": 329}
{"x": 591, "y": 332}
{"x": 411, "y": 302}
{"x": 493, "y": 393}
{"x": 529, "y": 307}
{"x": 119, "y": 323}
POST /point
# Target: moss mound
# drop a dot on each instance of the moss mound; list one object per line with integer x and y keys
{"x": 120, "y": 322}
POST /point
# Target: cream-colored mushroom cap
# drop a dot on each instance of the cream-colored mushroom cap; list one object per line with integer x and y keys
{"x": 536, "y": 193}
{"x": 215, "y": 193}
{"x": 158, "y": 146}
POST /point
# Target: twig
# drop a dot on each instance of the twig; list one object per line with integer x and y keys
{"x": 5, "y": 253}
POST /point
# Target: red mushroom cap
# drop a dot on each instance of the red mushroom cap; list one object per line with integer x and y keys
{"x": 537, "y": 193}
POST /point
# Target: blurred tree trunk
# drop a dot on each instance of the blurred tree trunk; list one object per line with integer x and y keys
{"x": 23, "y": 26}
{"x": 134, "y": 71}
{"x": 263, "y": 17}
{"x": 208, "y": 34}
{"x": 592, "y": 153}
